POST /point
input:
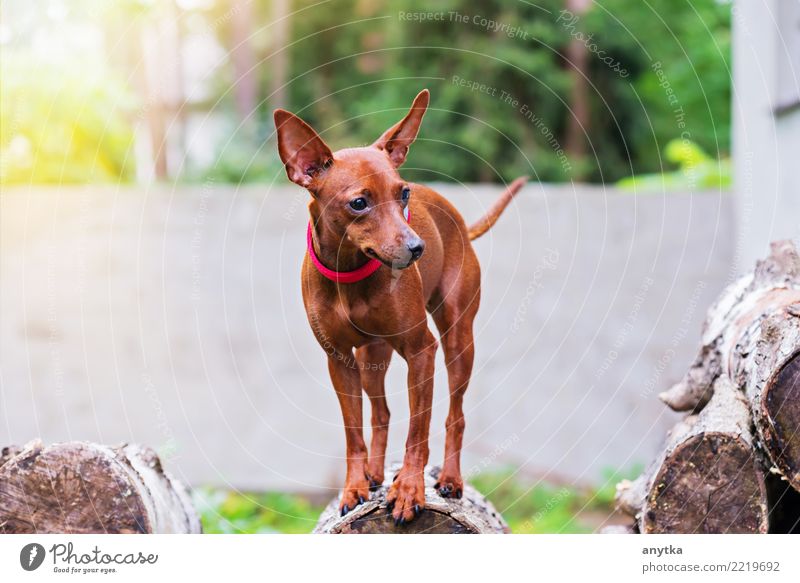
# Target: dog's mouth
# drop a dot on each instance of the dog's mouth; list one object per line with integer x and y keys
{"x": 370, "y": 252}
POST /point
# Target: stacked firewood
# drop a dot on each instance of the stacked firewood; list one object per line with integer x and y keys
{"x": 733, "y": 463}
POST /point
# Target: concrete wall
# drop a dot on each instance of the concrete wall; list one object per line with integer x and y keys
{"x": 173, "y": 318}
{"x": 766, "y": 125}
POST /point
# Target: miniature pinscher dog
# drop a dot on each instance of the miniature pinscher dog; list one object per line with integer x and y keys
{"x": 382, "y": 252}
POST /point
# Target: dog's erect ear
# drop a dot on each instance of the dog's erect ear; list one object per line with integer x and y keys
{"x": 301, "y": 149}
{"x": 399, "y": 137}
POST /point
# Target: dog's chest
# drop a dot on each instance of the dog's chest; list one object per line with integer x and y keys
{"x": 362, "y": 319}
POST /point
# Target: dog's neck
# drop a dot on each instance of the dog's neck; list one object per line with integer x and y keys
{"x": 334, "y": 251}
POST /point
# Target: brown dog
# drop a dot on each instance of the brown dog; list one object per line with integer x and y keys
{"x": 364, "y": 215}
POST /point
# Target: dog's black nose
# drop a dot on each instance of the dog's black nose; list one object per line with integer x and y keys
{"x": 416, "y": 249}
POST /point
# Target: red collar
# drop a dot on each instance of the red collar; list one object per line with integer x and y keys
{"x": 363, "y": 272}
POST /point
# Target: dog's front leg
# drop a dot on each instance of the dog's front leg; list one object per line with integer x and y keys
{"x": 406, "y": 495}
{"x": 347, "y": 383}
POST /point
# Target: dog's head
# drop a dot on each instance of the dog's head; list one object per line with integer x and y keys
{"x": 359, "y": 193}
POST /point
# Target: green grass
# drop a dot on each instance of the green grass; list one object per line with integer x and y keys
{"x": 231, "y": 512}
{"x": 535, "y": 507}
{"x": 528, "y": 506}
{"x": 531, "y": 508}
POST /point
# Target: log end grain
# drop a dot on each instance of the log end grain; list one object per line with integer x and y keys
{"x": 67, "y": 488}
{"x": 781, "y": 408}
{"x": 710, "y": 483}
{"x": 80, "y": 487}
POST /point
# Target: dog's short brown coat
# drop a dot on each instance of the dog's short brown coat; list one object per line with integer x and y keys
{"x": 359, "y": 325}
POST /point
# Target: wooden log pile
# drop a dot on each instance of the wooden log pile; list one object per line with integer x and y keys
{"x": 471, "y": 514}
{"x": 79, "y": 487}
{"x": 733, "y": 463}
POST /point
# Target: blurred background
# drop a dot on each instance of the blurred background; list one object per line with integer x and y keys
{"x": 150, "y": 244}
{"x": 158, "y": 88}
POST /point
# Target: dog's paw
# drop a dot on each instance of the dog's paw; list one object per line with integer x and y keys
{"x": 450, "y": 486}
{"x": 374, "y": 478}
{"x": 406, "y": 497}
{"x": 352, "y": 497}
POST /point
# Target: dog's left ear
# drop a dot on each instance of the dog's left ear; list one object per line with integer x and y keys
{"x": 396, "y": 140}
{"x": 302, "y": 151}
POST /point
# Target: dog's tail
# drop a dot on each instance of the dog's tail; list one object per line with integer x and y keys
{"x": 488, "y": 220}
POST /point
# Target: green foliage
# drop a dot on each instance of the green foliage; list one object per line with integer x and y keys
{"x": 360, "y": 75}
{"x": 230, "y": 512}
{"x": 541, "y": 507}
{"x": 603, "y": 496}
{"x": 656, "y": 71}
{"x": 696, "y": 170}
{"x": 59, "y": 124}
{"x": 356, "y": 67}
{"x": 679, "y": 54}
{"x": 532, "y": 508}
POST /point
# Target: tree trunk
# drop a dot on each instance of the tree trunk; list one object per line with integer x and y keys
{"x": 79, "y": 487}
{"x": 707, "y": 478}
{"x": 472, "y": 514}
{"x": 578, "y": 122}
{"x": 245, "y": 88}
{"x": 279, "y": 63}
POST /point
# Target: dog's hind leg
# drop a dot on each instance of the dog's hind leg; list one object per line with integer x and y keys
{"x": 373, "y": 361}
{"x": 454, "y": 317}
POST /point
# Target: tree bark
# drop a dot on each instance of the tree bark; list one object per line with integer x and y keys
{"x": 245, "y": 88}
{"x": 78, "y": 487}
{"x": 279, "y": 64}
{"x": 472, "y": 514}
{"x": 707, "y": 478}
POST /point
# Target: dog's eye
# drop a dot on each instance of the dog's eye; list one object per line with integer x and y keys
{"x": 358, "y": 204}
{"x": 405, "y": 194}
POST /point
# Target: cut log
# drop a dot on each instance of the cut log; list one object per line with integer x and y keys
{"x": 707, "y": 478}
{"x": 779, "y": 422}
{"x": 472, "y": 514}
{"x": 752, "y": 336}
{"x": 83, "y": 487}
{"x": 767, "y": 365}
